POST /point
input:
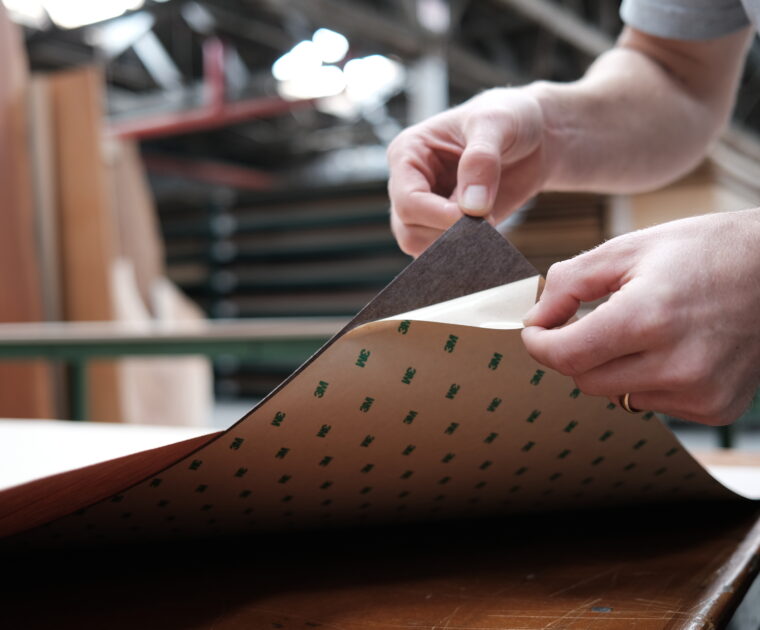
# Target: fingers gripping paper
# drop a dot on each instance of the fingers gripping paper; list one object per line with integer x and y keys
{"x": 434, "y": 412}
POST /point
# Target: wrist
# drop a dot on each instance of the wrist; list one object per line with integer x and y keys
{"x": 554, "y": 139}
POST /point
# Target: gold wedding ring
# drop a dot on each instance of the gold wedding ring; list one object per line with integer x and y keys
{"x": 625, "y": 403}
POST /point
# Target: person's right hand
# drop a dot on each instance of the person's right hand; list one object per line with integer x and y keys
{"x": 485, "y": 158}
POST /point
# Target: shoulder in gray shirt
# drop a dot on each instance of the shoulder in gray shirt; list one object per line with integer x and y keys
{"x": 690, "y": 19}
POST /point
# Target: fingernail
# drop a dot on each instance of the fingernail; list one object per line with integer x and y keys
{"x": 530, "y": 315}
{"x": 474, "y": 198}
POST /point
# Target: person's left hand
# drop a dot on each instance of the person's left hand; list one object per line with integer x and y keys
{"x": 681, "y": 330}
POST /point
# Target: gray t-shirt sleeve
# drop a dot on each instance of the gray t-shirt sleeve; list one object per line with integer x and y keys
{"x": 685, "y": 19}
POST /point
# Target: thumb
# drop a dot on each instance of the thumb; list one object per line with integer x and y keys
{"x": 479, "y": 169}
{"x": 585, "y": 278}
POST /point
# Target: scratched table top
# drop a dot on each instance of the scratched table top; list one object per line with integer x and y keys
{"x": 648, "y": 569}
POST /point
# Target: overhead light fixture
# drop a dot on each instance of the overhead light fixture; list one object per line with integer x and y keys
{"x": 76, "y": 13}
{"x": 302, "y": 59}
{"x": 372, "y": 80}
{"x": 332, "y": 46}
{"x": 27, "y": 12}
{"x": 322, "y": 82}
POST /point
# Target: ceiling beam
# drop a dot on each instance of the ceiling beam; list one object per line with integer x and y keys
{"x": 367, "y": 24}
{"x": 563, "y": 23}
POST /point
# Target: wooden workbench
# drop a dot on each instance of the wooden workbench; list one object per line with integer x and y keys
{"x": 644, "y": 569}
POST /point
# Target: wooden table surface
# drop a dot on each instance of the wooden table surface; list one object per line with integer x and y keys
{"x": 649, "y": 568}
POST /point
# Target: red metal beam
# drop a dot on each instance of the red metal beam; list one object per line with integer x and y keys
{"x": 216, "y": 113}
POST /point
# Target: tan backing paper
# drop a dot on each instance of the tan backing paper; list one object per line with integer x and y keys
{"x": 438, "y": 412}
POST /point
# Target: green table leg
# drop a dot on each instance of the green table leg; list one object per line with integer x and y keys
{"x": 78, "y": 390}
{"x": 726, "y": 436}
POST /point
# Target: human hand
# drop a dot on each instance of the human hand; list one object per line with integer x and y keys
{"x": 485, "y": 158}
{"x": 681, "y": 330}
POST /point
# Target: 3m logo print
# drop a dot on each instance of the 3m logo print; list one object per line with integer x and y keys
{"x": 155, "y": 482}
{"x": 671, "y": 452}
{"x": 403, "y": 326}
{"x": 408, "y": 450}
{"x": 407, "y": 474}
{"x": 453, "y": 391}
{"x": 325, "y": 485}
{"x": 494, "y": 404}
{"x": 368, "y": 468}
{"x": 324, "y": 430}
{"x": 361, "y": 360}
{"x": 536, "y": 378}
{"x": 491, "y": 437}
{"x": 564, "y": 454}
{"x": 447, "y": 458}
{"x": 639, "y": 444}
{"x": 451, "y": 343}
{"x": 528, "y": 445}
{"x": 367, "y": 441}
{"x": 410, "y": 417}
{"x": 444, "y": 480}
{"x": 325, "y": 461}
{"x": 533, "y": 416}
{"x": 367, "y": 404}
{"x": 240, "y": 472}
{"x": 408, "y": 376}
{"x": 597, "y": 461}
{"x": 570, "y": 426}
{"x": 521, "y": 471}
{"x": 237, "y": 443}
{"x": 282, "y": 452}
{"x": 605, "y": 436}
{"x": 495, "y": 360}
{"x": 284, "y": 479}
{"x": 195, "y": 464}
{"x": 575, "y": 393}
{"x": 451, "y": 428}
{"x": 278, "y": 418}
{"x": 486, "y": 464}
{"x": 201, "y": 488}
{"x": 319, "y": 392}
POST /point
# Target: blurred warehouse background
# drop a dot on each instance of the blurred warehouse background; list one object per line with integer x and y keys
{"x": 235, "y": 150}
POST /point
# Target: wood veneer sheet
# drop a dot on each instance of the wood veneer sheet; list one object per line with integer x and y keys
{"x": 435, "y": 412}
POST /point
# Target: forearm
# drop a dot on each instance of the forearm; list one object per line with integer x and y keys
{"x": 641, "y": 116}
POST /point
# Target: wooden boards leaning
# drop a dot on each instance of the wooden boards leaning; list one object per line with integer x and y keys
{"x": 87, "y": 235}
{"x": 154, "y": 390}
{"x": 25, "y": 389}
